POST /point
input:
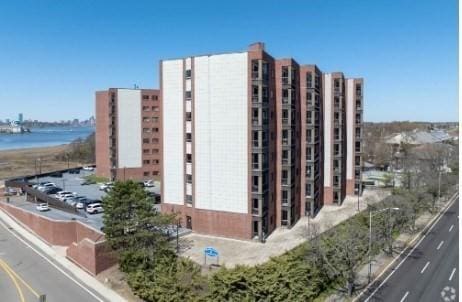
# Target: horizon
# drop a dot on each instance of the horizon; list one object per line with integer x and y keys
{"x": 54, "y": 59}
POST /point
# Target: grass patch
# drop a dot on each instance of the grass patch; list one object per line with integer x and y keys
{"x": 92, "y": 178}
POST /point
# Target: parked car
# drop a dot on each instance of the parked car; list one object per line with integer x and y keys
{"x": 105, "y": 186}
{"x": 88, "y": 168}
{"x": 42, "y": 207}
{"x": 86, "y": 183}
{"x": 83, "y": 203}
{"x": 40, "y": 184}
{"x": 56, "y": 174}
{"x": 52, "y": 190}
{"x": 74, "y": 171}
{"x": 94, "y": 208}
{"x": 149, "y": 183}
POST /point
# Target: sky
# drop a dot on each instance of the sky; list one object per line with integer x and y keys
{"x": 55, "y": 54}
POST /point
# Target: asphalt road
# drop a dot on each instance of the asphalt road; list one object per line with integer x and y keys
{"x": 427, "y": 273}
{"x": 25, "y": 274}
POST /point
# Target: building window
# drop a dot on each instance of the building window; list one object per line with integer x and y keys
{"x": 155, "y": 119}
{"x": 145, "y": 173}
{"x": 188, "y": 198}
{"x": 154, "y": 97}
{"x": 189, "y": 178}
{"x": 187, "y": 73}
{"x": 145, "y": 97}
{"x": 155, "y": 129}
{"x": 188, "y": 94}
{"x": 188, "y": 137}
{"x": 188, "y": 116}
{"x": 188, "y": 158}
{"x": 146, "y": 119}
{"x": 155, "y": 151}
{"x": 146, "y": 130}
{"x": 145, "y": 108}
{"x": 155, "y": 173}
{"x": 145, "y": 151}
{"x": 145, "y": 140}
{"x": 155, "y": 108}
{"x": 146, "y": 162}
{"x": 155, "y": 161}
{"x": 309, "y": 80}
{"x": 155, "y": 140}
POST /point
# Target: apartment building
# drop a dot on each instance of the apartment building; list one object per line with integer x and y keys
{"x": 128, "y": 134}
{"x": 251, "y": 143}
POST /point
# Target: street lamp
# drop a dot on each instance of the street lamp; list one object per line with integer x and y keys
{"x": 370, "y": 235}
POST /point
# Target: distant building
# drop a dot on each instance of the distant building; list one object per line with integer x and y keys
{"x": 20, "y": 118}
{"x": 128, "y": 133}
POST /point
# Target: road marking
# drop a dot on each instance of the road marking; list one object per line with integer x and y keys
{"x": 404, "y": 297}
{"x": 439, "y": 245}
{"x": 450, "y": 229}
{"x": 19, "y": 278}
{"x": 18, "y": 288}
{"x": 433, "y": 223}
{"x": 49, "y": 261}
{"x": 425, "y": 267}
{"x": 452, "y": 274}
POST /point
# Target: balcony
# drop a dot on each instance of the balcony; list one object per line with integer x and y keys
{"x": 255, "y": 189}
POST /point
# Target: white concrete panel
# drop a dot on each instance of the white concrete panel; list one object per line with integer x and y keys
{"x": 188, "y": 85}
{"x": 328, "y": 100}
{"x": 188, "y": 127}
{"x": 189, "y": 189}
{"x": 172, "y": 110}
{"x": 189, "y": 168}
{"x": 188, "y": 63}
{"x": 221, "y": 132}
{"x": 129, "y": 128}
{"x": 350, "y": 103}
{"x": 188, "y": 148}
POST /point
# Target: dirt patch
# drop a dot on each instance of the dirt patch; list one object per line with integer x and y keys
{"x": 21, "y": 162}
{"x": 115, "y": 280}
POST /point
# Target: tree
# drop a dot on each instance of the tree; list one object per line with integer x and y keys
{"x": 133, "y": 227}
{"x": 344, "y": 249}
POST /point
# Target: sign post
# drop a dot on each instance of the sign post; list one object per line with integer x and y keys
{"x": 211, "y": 252}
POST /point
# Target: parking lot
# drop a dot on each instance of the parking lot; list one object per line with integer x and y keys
{"x": 73, "y": 183}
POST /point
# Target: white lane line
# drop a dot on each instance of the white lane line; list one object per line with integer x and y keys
{"x": 425, "y": 267}
{"x": 432, "y": 224}
{"x": 439, "y": 245}
{"x": 404, "y": 297}
{"x": 450, "y": 229}
{"x": 452, "y": 274}
{"x": 49, "y": 261}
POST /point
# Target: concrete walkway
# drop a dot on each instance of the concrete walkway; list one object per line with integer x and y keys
{"x": 56, "y": 255}
{"x": 234, "y": 252}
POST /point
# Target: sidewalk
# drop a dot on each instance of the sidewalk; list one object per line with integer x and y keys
{"x": 56, "y": 255}
{"x": 382, "y": 260}
{"x": 235, "y": 252}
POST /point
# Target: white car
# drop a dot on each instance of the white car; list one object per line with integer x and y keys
{"x": 149, "y": 183}
{"x": 88, "y": 168}
{"x": 106, "y": 186}
{"x": 42, "y": 207}
{"x": 44, "y": 185}
{"x": 94, "y": 208}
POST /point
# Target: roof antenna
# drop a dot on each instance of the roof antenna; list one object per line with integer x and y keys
{"x": 136, "y": 86}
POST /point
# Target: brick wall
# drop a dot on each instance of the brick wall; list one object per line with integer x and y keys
{"x": 86, "y": 246}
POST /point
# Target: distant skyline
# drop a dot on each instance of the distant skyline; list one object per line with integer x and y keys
{"x": 55, "y": 55}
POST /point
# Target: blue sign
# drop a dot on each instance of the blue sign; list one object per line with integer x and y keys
{"x": 211, "y": 252}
